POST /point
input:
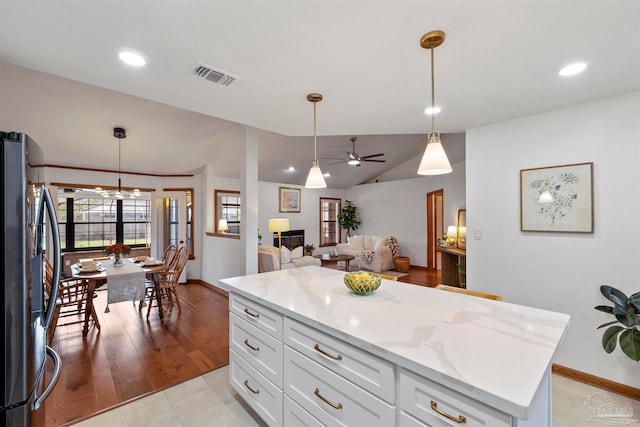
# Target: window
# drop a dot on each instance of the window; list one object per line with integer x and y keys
{"x": 89, "y": 221}
{"x": 329, "y": 226}
{"x": 173, "y": 219}
{"x": 227, "y": 206}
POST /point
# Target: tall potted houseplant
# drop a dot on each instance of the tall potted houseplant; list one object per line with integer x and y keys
{"x": 348, "y": 218}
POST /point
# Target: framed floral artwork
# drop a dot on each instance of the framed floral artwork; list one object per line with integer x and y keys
{"x": 289, "y": 200}
{"x": 557, "y": 198}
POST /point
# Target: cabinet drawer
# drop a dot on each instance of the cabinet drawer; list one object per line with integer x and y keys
{"x": 364, "y": 369}
{"x": 423, "y": 398}
{"x": 256, "y": 314}
{"x": 294, "y": 415}
{"x": 408, "y": 421}
{"x": 262, "y": 351}
{"x": 331, "y": 399}
{"x": 264, "y": 397}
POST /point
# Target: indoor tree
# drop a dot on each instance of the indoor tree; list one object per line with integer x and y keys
{"x": 348, "y": 217}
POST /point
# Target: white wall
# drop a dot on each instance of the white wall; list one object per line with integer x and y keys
{"x": 399, "y": 208}
{"x": 560, "y": 271}
{"x": 308, "y": 219}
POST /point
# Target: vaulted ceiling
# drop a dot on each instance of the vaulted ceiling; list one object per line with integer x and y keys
{"x": 499, "y": 61}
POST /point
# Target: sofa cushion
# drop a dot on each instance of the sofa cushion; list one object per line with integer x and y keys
{"x": 356, "y": 243}
{"x": 297, "y": 252}
{"x": 285, "y": 254}
{"x": 380, "y": 242}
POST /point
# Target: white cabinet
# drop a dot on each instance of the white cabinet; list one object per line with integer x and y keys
{"x": 330, "y": 398}
{"x": 370, "y": 372}
{"x": 436, "y": 406}
{"x": 255, "y": 357}
{"x": 260, "y": 393}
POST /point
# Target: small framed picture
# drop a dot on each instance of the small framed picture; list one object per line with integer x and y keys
{"x": 289, "y": 200}
{"x": 557, "y": 198}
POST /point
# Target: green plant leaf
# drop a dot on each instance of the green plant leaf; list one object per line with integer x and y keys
{"x": 630, "y": 343}
{"x": 635, "y": 300}
{"x": 613, "y": 322}
{"x": 604, "y": 308}
{"x": 610, "y": 338}
{"x": 615, "y": 296}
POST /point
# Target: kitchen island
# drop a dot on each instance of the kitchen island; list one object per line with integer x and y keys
{"x": 304, "y": 350}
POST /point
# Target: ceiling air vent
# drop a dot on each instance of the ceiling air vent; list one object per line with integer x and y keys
{"x": 214, "y": 75}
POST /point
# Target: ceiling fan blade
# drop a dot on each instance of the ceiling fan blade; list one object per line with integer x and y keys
{"x": 372, "y": 160}
{"x": 372, "y": 155}
{"x": 332, "y": 158}
{"x": 335, "y": 163}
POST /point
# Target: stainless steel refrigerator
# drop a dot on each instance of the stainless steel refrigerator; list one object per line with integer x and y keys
{"x": 29, "y": 228}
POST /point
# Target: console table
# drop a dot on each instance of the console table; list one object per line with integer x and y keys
{"x": 451, "y": 257}
{"x": 304, "y": 350}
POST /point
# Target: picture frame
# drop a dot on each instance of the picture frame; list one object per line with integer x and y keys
{"x": 557, "y": 198}
{"x": 461, "y": 238}
{"x": 289, "y": 200}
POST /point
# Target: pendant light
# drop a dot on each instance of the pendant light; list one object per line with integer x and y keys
{"x": 315, "y": 178}
{"x": 434, "y": 160}
{"x": 120, "y": 134}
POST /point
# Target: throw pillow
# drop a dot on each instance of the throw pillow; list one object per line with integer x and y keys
{"x": 381, "y": 242}
{"x": 393, "y": 245}
{"x": 286, "y": 255}
{"x": 297, "y": 252}
{"x": 356, "y": 243}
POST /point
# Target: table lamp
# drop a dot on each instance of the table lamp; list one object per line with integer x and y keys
{"x": 223, "y": 226}
{"x": 452, "y": 234}
{"x": 278, "y": 225}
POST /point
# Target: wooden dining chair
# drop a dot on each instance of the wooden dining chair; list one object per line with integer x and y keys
{"x": 469, "y": 292}
{"x": 71, "y": 302}
{"x": 169, "y": 281}
{"x": 168, "y": 258}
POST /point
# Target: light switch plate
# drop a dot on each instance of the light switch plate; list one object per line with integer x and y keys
{"x": 477, "y": 234}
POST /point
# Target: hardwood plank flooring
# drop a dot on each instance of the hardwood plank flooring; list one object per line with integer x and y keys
{"x": 131, "y": 356}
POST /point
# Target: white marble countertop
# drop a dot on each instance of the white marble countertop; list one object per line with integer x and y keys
{"x": 492, "y": 351}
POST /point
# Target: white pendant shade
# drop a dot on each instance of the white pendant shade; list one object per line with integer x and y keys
{"x": 315, "y": 178}
{"x": 434, "y": 160}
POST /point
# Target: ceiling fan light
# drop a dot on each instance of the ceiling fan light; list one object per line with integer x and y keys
{"x": 434, "y": 160}
{"x": 315, "y": 178}
{"x": 354, "y": 162}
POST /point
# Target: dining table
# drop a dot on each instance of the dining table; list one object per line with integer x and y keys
{"x": 124, "y": 283}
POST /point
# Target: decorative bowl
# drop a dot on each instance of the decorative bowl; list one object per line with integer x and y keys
{"x": 362, "y": 282}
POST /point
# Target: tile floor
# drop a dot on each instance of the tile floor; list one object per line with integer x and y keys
{"x": 209, "y": 400}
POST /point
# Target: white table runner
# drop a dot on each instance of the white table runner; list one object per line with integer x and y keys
{"x": 125, "y": 283}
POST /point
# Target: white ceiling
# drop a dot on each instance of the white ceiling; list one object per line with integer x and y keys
{"x": 499, "y": 61}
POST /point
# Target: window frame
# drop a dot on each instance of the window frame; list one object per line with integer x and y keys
{"x": 333, "y": 200}
{"x": 190, "y": 218}
{"x": 217, "y": 195}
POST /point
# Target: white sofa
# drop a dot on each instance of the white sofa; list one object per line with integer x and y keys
{"x": 371, "y": 252}
{"x": 269, "y": 260}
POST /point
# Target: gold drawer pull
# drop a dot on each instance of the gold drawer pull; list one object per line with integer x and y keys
{"x": 256, "y": 315}
{"x": 246, "y": 342}
{"x": 325, "y": 400}
{"x": 246, "y": 384}
{"x": 317, "y": 347}
{"x": 460, "y": 419}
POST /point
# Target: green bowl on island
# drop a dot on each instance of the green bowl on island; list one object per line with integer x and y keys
{"x": 362, "y": 282}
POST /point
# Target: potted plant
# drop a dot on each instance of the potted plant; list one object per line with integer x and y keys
{"x": 348, "y": 218}
{"x": 626, "y": 310}
{"x": 308, "y": 249}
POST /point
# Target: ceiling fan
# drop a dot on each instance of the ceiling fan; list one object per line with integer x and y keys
{"x": 355, "y": 159}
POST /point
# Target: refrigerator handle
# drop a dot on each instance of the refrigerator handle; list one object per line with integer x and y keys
{"x": 57, "y": 365}
{"x": 55, "y": 232}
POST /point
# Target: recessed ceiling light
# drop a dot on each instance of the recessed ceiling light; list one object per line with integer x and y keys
{"x": 432, "y": 110}
{"x": 572, "y": 69}
{"x": 131, "y": 57}
{"x": 291, "y": 169}
{"x": 326, "y": 174}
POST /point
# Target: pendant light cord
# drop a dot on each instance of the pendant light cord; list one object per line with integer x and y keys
{"x": 433, "y": 94}
{"x": 119, "y": 168}
{"x": 315, "y": 153}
